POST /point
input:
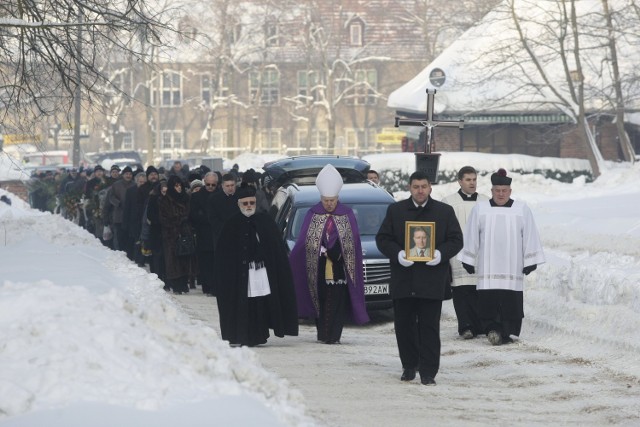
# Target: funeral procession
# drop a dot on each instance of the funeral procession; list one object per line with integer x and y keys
{"x": 308, "y": 213}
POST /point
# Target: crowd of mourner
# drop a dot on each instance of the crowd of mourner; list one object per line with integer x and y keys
{"x": 212, "y": 229}
{"x": 149, "y": 213}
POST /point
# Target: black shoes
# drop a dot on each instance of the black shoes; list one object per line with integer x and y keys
{"x": 427, "y": 380}
{"x": 408, "y": 375}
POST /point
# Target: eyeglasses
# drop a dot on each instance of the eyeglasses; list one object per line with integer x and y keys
{"x": 248, "y": 203}
{"x": 211, "y": 185}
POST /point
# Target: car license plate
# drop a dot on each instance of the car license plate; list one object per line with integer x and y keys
{"x": 376, "y": 289}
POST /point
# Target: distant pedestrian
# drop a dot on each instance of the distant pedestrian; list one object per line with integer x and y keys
{"x": 174, "y": 215}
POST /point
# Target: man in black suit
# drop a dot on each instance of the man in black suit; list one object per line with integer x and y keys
{"x": 418, "y": 288}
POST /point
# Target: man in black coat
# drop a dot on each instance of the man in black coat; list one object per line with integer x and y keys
{"x": 223, "y": 205}
{"x": 418, "y": 288}
{"x": 253, "y": 278}
{"x": 204, "y": 231}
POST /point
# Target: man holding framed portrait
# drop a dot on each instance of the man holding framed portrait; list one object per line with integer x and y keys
{"x": 418, "y": 283}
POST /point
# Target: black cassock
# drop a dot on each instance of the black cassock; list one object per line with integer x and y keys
{"x": 245, "y": 320}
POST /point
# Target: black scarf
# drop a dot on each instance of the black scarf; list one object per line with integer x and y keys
{"x": 255, "y": 248}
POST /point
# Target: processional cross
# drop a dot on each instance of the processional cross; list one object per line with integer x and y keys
{"x": 429, "y": 123}
{"x": 428, "y": 161}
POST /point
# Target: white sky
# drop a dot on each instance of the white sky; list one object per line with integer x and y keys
{"x": 87, "y": 335}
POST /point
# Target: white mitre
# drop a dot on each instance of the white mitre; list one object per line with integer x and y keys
{"x": 329, "y": 181}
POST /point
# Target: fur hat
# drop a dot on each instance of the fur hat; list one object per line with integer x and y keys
{"x": 196, "y": 183}
{"x": 500, "y": 178}
{"x": 245, "y": 191}
{"x": 151, "y": 169}
{"x": 126, "y": 169}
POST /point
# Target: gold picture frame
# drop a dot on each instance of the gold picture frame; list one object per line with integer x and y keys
{"x": 424, "y": 240}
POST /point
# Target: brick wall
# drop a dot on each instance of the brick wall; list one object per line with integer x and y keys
{"x": 16, "y": 187}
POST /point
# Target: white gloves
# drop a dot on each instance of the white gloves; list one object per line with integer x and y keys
{"x": 406, "y": 263}
{"x": 403, "y": 260}
{"x": 437, "y": 257}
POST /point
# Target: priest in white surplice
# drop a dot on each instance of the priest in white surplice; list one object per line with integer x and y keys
{"x": 501, "y": 244}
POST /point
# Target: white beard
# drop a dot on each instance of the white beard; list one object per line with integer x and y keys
{"x": 247, "y": 212}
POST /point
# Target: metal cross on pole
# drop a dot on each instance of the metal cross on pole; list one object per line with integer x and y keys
{"x": 429, "y": 123}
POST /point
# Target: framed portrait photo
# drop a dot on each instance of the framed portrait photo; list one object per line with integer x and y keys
{"x": 419, "y": 240}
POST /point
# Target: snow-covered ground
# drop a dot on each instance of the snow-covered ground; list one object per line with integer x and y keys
{"x": 88, "y": 338}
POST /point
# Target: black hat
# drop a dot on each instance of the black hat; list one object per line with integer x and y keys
{"x": 126, "y": 169}
{"x": 245, "y": 191}
{"x": 151, "y": 169}
{"x": 115, "y": 168}
{"x": 500, "y": 178}
{"x": 250, "y": 176}
{"x": 98, "y": 168}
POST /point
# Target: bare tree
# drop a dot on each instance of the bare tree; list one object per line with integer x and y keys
{"x": 618, "y": 103}
{"x": 53, "y": 52}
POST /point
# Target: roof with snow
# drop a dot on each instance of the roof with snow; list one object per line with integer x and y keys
{"x": 488, "y": 70}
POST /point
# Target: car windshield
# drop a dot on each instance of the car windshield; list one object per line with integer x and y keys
{"x": 369, "y": 217}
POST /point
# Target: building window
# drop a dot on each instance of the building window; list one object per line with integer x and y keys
{"x": 170, "y": 90}
{"x": 270, "y": 140}
{"x": 218, "y": 139}
{"x": 359, "y": 141}
{"x": 121, "y": 86}
{"x": 355, "y": 34}
{"x": 308, "y": 85}
{"x": 127, "y": 140}
{"x": 318, "y": 143}
{"x": 207, "y": 87}
{"x": 267, "y": 84}
{"x": 271, "y": 34}
{"x": 365, "y": 85}
{"x": 171, "y": 139}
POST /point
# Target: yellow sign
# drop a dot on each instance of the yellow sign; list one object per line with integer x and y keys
{"x": 390, "y": 136}
{"x": 12, "y": 139}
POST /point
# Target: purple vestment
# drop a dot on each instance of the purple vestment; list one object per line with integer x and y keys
{"x": 305, "y": 255}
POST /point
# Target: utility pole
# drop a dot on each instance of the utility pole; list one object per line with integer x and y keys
{"x": 77, "y": 99}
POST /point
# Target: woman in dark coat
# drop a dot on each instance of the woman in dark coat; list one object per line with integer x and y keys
{"x": 153, "y": 241}
{"x": 174, "y": 214}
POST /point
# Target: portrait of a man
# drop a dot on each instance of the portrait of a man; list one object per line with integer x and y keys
{"x": 419, "y": 241}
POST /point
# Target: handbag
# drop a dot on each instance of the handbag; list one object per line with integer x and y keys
{"x": 186, "y": 245}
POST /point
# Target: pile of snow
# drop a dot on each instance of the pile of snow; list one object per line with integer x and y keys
{"x": 85, "y": 331}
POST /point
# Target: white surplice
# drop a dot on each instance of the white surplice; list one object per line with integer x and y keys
{"x": 499, "y": 242}
{"x": 463, "y": 209}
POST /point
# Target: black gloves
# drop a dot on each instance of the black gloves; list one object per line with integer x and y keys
{"x": 528, "y": 269}
{"x": 470, "y": 268}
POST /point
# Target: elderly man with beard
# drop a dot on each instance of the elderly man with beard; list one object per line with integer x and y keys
{"x": 254, "y": 285}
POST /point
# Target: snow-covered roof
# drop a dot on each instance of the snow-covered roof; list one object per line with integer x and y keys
{"x": 487, "y": 70}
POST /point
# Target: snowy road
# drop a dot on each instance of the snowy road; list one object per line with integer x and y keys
{"x": 357, "y": 383}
